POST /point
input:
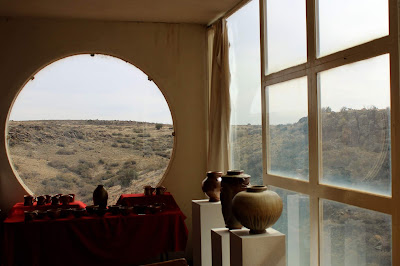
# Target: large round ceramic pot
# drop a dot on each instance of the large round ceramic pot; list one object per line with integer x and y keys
{"x": 100, "y": 197}
{"x": 257, "y": 208}
{"x": 211, "y": 185}
{"x": 232, "y": 183}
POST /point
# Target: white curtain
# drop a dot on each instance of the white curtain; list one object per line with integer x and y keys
{"x": 219, "y": 99}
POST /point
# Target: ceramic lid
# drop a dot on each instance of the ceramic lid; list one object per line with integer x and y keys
{"x": 236, "y": 174}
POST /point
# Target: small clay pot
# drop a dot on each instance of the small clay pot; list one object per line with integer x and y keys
{"x": 154, "y": 208}
{"x": 65, "y": 213}
{"x": 257, "y": 208}
{"x": 53, "y": 213}
{"x": 211, "y": 185}
{"x": 125, "y": 210}
{"x": 114, "y": 209}
{"x": 139, "y": 209}
{"x": 91, "y": 209}
{"x": 78, "y": 213}
{"x": 41, "y": 214}
{"x": 30, "y": 215}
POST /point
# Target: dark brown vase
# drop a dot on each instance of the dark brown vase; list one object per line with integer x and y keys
{"x": 211, "y": 185}
{"x": 100, "y": 197}
{"x": 232, "y": 183}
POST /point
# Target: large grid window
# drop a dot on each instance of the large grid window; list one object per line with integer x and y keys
{"x": 244, "y": 62}
{"x": 330, "y": 109}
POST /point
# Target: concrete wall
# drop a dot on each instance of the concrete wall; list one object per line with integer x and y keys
{"x": 174, "y": 55}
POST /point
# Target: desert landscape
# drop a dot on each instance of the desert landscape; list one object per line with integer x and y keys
{"x": 74, "y": 156}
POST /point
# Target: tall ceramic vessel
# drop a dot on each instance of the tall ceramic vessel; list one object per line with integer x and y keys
{"x": 257, "y": 208}
{"x": 232, "y": 183}
{"x": 211, "y": 185}
{"x": 100, "y": 197}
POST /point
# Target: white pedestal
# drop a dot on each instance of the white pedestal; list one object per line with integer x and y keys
{"x": 205, "y": 216}
{"x": 220, "y": 247}
{"x": 260, "y": 249}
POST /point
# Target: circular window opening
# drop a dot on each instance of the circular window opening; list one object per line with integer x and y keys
{"x": 86, "y": 120}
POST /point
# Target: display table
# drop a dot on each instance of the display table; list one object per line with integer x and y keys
{"x": 93, "y": 240}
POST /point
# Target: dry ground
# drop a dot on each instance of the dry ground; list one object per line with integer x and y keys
{"x": 74, "y": 156}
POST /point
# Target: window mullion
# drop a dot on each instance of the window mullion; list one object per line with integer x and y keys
{"x": 395, "y": 124}
{"x": 313, "y": 133}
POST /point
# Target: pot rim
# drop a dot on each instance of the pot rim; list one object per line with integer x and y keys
{"x": 214, "y": 174}
{"x": 257, "y": 188}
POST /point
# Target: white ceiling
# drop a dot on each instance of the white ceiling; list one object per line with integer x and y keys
{"x": 173, "y": 11}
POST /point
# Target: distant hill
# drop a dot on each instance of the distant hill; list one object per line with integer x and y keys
{"x": 355, "y": 148}
{"x": 74, "y": 156}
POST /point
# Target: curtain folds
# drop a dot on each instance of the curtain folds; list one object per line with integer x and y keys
{"x": 219, "y": 99}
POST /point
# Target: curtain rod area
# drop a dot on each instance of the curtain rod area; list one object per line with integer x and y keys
{"x": 230, "y": 11}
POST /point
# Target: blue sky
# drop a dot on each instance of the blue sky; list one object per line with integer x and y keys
{"x": 85, "y": 87}
{"x": 341, "y": 24}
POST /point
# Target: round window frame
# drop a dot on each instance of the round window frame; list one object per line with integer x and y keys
{"x": 32, "y": 76}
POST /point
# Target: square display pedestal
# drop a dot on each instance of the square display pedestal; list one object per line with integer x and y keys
{"x": 206, "y": 216}
{"x": 257, "y": 249}
{"x": 220, "y": 247}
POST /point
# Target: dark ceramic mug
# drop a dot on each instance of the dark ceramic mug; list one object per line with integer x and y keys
{"x": 148, "y": 190}
{"x": 41, "y": 200}
{"x": 55, "y": 200}
{"x": 160, "y": 190}
{"x": 29, "y": 200}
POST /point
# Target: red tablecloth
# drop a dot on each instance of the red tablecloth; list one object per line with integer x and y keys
{"x": 108, "y": 240}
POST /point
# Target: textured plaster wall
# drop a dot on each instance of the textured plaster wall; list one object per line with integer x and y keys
{"x": 174, "y": 55}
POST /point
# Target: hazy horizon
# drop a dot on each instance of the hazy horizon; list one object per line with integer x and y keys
{"x": 84, "y": 87}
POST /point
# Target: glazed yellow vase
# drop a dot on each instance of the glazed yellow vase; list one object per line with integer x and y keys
{"x": 257, "y": 208}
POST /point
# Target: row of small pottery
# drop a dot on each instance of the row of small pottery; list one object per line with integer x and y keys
{"x": 64, "y": 199}
{"x": 254, "y": 207}
{"x": 53, "y": 213}
{"x": 149, "y": 190}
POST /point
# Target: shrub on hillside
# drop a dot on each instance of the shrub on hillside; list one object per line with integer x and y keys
{"x": 65, "y": 152}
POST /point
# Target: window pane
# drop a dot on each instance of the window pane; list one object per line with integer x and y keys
{"x": 295, "y": 224}
{"x": 286, "y": 37}
{"x": 245, "y": 91}
{"x": 344, "y": 24}
{"x": 354, "y": 236}
{"x": 355, "y": 120}
{"x": 288, "y": 129}
{"x": 85, "y": 121}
